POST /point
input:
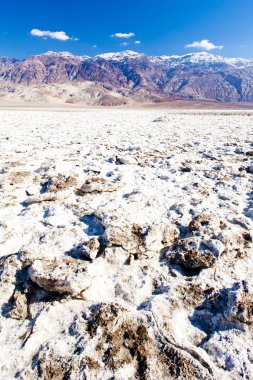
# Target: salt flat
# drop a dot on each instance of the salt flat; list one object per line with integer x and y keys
{"x": 126, "y": 244}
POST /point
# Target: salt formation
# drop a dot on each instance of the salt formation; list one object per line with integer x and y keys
{"x": 126, "y": 245}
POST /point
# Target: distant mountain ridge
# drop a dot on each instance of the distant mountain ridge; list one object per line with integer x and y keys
{"x": 129, "y": 76}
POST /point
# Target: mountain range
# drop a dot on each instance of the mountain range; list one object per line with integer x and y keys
{"x": 125, "y": 78}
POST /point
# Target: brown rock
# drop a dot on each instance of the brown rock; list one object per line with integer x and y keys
{"x": 240, "y": 304}
{"x": 192, "y": 253}
{"x": 63, "y": 275}
{"x": 99, "y": 185}
{"x": 90, "y": 249}
{"x": 19, "y": 306}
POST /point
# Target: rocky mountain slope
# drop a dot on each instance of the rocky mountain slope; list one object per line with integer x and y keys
{"x": 133, "y": 77}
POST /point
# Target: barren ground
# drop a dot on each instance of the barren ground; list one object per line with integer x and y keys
{"x": 126, "y": 244}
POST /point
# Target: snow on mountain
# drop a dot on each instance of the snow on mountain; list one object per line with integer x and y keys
{"x": 118, "y": 56}
{"x": 239, "y": 62}
{"x": 63, "y": 54}
{"x": 175, "y": 60}
{"x": 207, "y": 58}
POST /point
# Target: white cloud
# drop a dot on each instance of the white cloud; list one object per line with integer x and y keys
{"x": 94, "y": 46}
{"x": 123, "y": 35}
{"x": 137, "y": 42}
{"x": 62, "y": 36}
{"x": 124, "y": 44}
{"x": 204, "y": 44}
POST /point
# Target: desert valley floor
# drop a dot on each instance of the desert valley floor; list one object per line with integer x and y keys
{"x": 126, "y": 244}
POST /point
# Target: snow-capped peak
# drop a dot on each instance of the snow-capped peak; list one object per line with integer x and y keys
{"x": 118, "y": 56}
{"x": 200, "y": 58}
{"x": 60, "y": 53}
{"x": 239, "y": 62}
{"x": 63, "y": 54}
{"x": 207, "y": 58}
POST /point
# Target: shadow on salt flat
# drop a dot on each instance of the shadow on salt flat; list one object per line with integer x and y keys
{"x": 248, "y": 211}
{"x": 93, "y": 226}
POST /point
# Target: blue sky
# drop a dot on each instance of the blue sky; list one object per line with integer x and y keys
{"x": 160, "y": 27}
